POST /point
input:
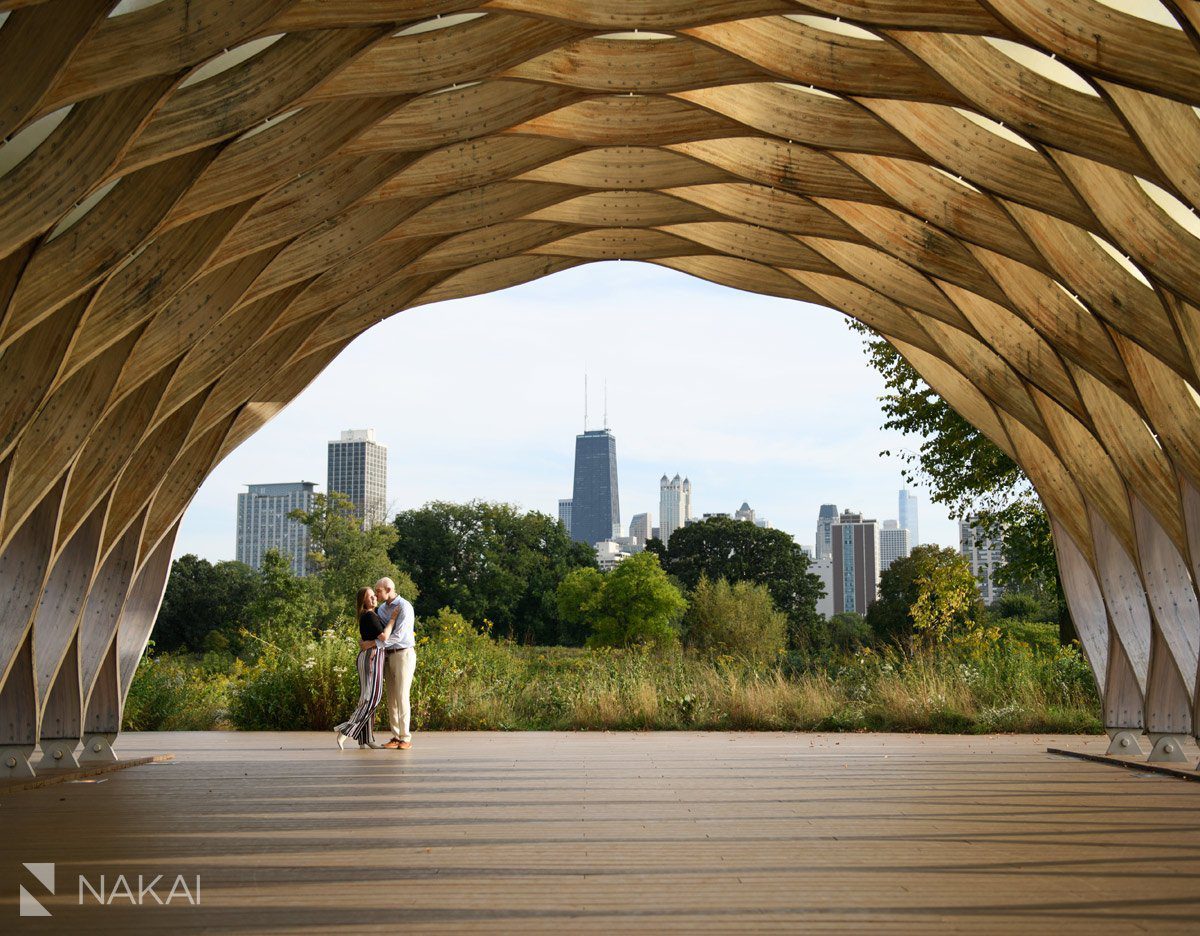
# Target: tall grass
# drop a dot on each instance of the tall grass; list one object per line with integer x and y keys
{"x": 468, "y": 681}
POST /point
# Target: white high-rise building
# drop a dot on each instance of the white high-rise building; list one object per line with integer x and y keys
{"x": 908, "y": 517}
{"x": 263, "y": 523}
{"x": 358, "y": 469}
{"x": 893, "y": 544}
{"x": 823, "y": 567}
{"x": 674, "y": 505}
{"x": 985, "y": 554}
{"x": 564, "y": 513}
{"x": 826, "y": 518}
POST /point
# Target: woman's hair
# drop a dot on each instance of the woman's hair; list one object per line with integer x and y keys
{"x": 361, "y": 604}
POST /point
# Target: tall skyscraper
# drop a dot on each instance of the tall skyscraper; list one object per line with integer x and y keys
{"x": 825, "y": 520}
{"x": 908, "y": 517}
{"x": 358, "y": 469}
{"x": 985, "y": 554}
{"x": 564, "y": 513}
{"x": 674, "y": 505}
{"x": 263, "y": 523}
{"x": 893, "y": 544}
{"x": 595, "y": 503}
{"x": 855, "y": 563}
{"x": 640, "y": 527}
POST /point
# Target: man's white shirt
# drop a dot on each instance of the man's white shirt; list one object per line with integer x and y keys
{"x": 402, "y": 632}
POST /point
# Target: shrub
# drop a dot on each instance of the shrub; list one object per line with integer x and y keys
{"x": 1015, "y": 604}
{"x": 1037, "y": 635}
{"x": 464, "y": 677}
{"x": 738, "y": 619}
{"x": 310, "y": 683}
{"x": 167, "y": 694}
{"x": 848, "y": 630}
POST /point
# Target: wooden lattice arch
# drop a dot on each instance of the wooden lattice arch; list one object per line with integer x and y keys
{"x": 204, "y": 201}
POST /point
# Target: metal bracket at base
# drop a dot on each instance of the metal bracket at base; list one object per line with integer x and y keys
{"x": 59, "y": 753}
{"x": 98, "y": 749}
{"x": 15, "y": 762}
{"x": 1124, "y": 741}
{"x": 1168, "y": 749}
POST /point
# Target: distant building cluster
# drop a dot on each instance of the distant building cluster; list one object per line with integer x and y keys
{"x": 851, "y": 552}
{"x": 592, "y": 514}
{"x": 357, "y": 467}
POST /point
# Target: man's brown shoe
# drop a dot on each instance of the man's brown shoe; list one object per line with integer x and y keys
{"x": 404, "y": 745}
{"x": 394, "y": 744}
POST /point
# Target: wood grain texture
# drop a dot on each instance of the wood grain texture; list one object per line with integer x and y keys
{"x": 1005, "y": 190}
{"x": 599, "y": 832}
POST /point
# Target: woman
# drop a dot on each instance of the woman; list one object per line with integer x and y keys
{"x": 372, "y": 634}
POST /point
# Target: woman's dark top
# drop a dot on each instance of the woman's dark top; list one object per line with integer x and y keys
{"x": 369, "y": 625}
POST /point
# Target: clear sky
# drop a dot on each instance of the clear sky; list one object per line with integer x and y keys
{"x": 756, "y": 399}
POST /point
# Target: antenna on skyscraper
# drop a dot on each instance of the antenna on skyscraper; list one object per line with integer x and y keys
{"x": 605, "y": 402}
{"x": 585, "y": 401}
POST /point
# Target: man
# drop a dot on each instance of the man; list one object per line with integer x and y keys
{"x": 399, "y": 663}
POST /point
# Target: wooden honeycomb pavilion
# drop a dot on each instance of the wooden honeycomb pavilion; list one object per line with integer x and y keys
{"x": 202, "y": 203}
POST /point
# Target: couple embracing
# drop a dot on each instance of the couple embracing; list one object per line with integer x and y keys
{"x": 386, "y": 644}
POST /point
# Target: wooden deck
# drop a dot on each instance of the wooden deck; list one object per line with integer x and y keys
{"x": 614, "y": 833}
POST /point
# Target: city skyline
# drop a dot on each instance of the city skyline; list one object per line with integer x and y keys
{"x": 793, "y": 421}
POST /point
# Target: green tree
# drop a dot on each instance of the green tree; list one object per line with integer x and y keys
{"x": 1030, "y": 565}
{"x": 721, "y": 547}
{"x": 634, "y": 605}
{"x": 284, "y": 603}
{"x": 346, "y": 557}
{"x": 970, "y": 474}
{"x": 204, "y": 601}
{"x": 738, "y": 620}
{"x": 928, "y": 597}
{"x": 948, "y": 611}
{"x": 577, "y": 600}
{"x": 489, "y": 562}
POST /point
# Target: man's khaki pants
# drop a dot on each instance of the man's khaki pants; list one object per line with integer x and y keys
{"x": 400, "y": 667}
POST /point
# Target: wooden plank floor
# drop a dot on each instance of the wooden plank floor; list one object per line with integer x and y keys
{"x": 616, "y": 833}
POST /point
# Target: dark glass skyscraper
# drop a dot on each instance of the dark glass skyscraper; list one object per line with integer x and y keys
{"x": 595, "y": 507}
